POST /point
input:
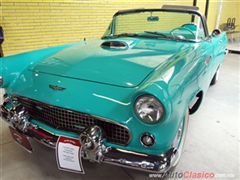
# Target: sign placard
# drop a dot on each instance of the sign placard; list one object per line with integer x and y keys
{"x": 68, "y": 155}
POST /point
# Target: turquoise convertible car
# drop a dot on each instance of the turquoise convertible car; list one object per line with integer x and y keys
{"x": 125, "y": 97}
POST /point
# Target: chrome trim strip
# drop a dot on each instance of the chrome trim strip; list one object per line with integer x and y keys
{"x": 52, "y": 146}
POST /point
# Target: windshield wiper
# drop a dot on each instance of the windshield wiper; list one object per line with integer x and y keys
{"x": 131, "y": 35}
{"x": 147, "y": 36}
{"x": 156, "y": 33}
{"x": 176, "y": 38}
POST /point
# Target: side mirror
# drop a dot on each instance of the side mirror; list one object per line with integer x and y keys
{"x": 216, "y": 32}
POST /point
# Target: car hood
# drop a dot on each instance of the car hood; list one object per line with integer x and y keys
{"x": 125, "y": 67}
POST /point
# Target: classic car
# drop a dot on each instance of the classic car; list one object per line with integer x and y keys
{"x": 126, "y": 97}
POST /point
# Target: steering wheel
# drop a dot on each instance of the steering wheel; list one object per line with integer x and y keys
{"x": 181, "y": 28}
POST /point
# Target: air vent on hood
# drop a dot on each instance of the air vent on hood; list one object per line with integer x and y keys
{"x": 114, "y": 45}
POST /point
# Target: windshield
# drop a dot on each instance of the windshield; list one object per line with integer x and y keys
{"x": 157, "y": 24}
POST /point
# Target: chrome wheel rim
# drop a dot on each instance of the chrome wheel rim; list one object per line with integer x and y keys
{"x": 179, "y": 141}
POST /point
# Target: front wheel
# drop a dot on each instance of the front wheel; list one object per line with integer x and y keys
{"x": 179, "y": 141}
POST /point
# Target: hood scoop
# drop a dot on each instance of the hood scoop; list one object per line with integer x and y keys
{"x": 115, "y": 45}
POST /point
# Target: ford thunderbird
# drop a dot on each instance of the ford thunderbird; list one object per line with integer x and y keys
{"x": 123, "y": 99}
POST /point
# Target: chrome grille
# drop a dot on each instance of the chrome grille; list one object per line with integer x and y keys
{"x": 73, "y": 121}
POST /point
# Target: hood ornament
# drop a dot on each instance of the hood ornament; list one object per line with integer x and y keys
{"x": 56, "y": 88}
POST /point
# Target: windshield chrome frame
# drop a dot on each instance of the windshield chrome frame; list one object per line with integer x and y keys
{"x": 189, "y": 11}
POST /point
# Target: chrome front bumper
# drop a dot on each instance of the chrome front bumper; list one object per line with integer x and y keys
{"x": 114, "y": 156}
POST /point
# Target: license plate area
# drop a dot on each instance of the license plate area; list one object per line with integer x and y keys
{"x": 21, "y": 139}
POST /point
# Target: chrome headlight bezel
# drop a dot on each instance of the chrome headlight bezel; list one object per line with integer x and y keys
{"x": 153, "y": 116}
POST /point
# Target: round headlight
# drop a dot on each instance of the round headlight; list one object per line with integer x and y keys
{"x": 149, "y": 109}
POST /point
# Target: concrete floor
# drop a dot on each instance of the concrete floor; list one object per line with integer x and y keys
{"x": 234, "y": 46}
{"x": 212, "y": 145}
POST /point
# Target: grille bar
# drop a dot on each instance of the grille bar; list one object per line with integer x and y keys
{"x": 73, "y": 121}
